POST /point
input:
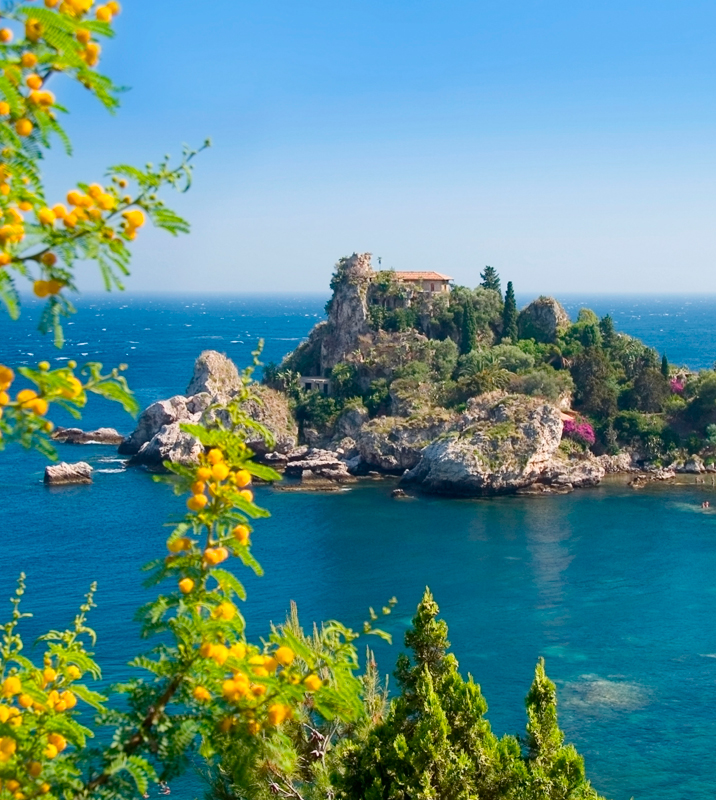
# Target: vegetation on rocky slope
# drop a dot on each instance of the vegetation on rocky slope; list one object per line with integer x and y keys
{"x": 412, "y": 352}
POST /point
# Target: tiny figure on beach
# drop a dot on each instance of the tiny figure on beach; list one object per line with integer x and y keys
{"x": 705, "y": 504}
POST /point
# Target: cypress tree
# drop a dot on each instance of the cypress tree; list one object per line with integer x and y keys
{"x": 665, "y": 366}
{"x": 509, "y": 315}
{"x": 491, "y": 280}
{"x": 606, "y": 326}
{"x": 469, "y": 329}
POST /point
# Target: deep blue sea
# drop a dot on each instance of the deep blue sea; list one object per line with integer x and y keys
{"x": 616, "y": 589}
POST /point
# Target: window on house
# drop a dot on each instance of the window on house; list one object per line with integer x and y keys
{"x": 308, "y": 387}
{"x": 432, "y": 287}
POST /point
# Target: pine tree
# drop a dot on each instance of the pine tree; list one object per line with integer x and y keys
{"x": 469, "y": 329}
{"x": 434, "y": 742}
{"x": 555, "y": 770}
{"x": 509, "y": 315}
{"x": 665, "y": 366}
{"x": 491, "y": 280}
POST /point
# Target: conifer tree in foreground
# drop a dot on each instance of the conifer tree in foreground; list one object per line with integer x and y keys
{"x": 491, "y": 280}
{"x": 509, "y": 315}
{"x": 435, "y": 743}
{"x": 556, "y": 771}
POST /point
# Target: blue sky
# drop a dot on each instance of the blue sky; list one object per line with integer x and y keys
{"x": 568, "y": 144}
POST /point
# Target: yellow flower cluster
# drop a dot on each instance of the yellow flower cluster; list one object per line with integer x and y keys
{"x": 209, "y": 479}
{"x": 22, "y": 774}
{"x": 243, "y": 686}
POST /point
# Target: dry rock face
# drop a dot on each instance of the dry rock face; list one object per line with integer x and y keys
{"x": 64, "y": 474}
{"x": 78, "y": 436}
{"x": 348, "y": 314}
{"x": 317, "y": 469}
{"x": 394, "y": 444}
{"x": 216, "y": 375}
{"x": 158, "y": 436}
{"x": 543, "y": 320}
{"x": 500, "y": 444}
{"x": 572, "y": 473}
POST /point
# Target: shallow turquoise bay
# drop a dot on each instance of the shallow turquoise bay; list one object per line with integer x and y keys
{"x": 615, "y": 588}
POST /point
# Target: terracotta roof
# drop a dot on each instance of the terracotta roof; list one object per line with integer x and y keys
{"x": 422, "y": 276}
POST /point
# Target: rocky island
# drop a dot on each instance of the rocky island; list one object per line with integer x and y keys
{"x": 454, "y": 391}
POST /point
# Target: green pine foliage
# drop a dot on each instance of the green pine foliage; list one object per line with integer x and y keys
{"x": 435, "y": 743}
{"x": 555, "y": 771}
{"x": 469, "y": 330}
{"x": 509, "y": 315}
{"x": 489, "y": 279}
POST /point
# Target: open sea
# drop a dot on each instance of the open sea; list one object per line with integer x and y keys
{"x": 615, "y": 588}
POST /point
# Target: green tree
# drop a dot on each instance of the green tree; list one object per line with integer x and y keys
{"x": 556, "y": 771}
{"x": 665, "y": 366}
{"x": 491, "y": 280}
{"x": 469, "y": 329}
{"x": 509, "y": 315}
{"x": 593, "y": 377}
{"x": 606, "y": 327}
{"x": 434, "y": 743}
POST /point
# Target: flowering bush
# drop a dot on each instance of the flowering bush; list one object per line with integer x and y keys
{"x": 677, "y": 386}
{"x": 579, "y": 431}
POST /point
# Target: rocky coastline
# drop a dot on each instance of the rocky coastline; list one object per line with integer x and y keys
{"x": 359, "y": 400}
{"x": 500, "y": 444}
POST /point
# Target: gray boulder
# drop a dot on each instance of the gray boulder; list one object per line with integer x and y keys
{"x": 543, "y": 320}
{"x": 63, "y": 474}
{"x": 351, "y": 421}
{"x": 693, "y": 465}
{"x": 78, "y": 436}
{"x": 501, "y": 444}
{"x": 577, "y": 473}
{"x": 216, "y": 375}
{"x": 160, "y": 414}
{"x": 170, "y": 443}
{"x": 215, "y": 382}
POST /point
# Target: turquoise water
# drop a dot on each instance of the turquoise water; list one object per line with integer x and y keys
{"x": 614, "y": 587}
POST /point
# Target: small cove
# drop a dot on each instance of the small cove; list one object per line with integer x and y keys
{"x": 614, "y": 587}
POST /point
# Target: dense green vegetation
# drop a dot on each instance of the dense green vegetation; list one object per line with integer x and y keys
{"x": 440, "y": 350}
{"x": 431, "y": 742}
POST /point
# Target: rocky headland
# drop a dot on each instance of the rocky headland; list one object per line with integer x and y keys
{"x": 449, "y": 392}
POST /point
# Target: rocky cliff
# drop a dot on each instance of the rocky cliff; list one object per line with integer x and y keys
{"x": 500, "y": 444}
{"x": 331, "y": 341}
{"x": 158, "y": 436}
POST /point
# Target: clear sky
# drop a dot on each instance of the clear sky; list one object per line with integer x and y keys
{"x": 568, "y": 144}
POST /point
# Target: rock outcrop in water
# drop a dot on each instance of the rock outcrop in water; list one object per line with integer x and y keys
{"x": 78, "y": 436}
{"x": 64, "y": 474}
{"x": 500, "y": 444}
{"x": 158, "y": 436}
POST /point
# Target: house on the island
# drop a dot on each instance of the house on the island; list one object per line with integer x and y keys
{"x": 431, "y": 282}
{"x": 314, "y": 384}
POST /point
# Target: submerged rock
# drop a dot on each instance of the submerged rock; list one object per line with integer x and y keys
{"x": 500, "y": 444}
{"x": 63, "y": 474}
{"x": 78, "y": 436}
